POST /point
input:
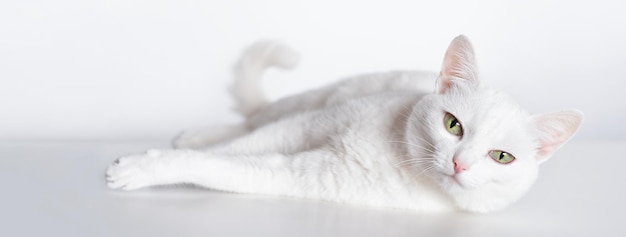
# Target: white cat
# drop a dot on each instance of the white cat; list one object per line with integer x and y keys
{"x": 384, "y": 140}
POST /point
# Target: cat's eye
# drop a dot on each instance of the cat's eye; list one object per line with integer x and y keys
{"x": 502, "y": 157}
{"x": 453, "y": 125}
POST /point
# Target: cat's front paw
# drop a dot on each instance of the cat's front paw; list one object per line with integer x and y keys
{"x": 134, "y": 172}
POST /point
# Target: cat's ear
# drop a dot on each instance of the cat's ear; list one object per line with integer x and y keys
{"x": 459, "y": 63}
{"x": 554, "y": 130}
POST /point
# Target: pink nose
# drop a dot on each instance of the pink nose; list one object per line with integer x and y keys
{"x": 459, "y": 167}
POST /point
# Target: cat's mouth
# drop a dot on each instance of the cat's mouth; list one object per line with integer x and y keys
{"x": 454, "y": 179}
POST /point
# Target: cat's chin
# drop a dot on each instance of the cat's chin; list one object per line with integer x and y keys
{"x": 479, "y": 197}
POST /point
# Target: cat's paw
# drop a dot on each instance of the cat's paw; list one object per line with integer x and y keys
{"x": 133, "y": 172}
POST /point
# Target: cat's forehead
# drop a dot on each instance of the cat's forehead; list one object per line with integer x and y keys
{"x": 490, "y": 116}
{"x": 481, "y": 101}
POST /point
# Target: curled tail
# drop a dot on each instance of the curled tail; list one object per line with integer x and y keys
{"x": 252, "y": 63}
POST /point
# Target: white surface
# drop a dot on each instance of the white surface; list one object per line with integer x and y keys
{"x": 58, "y": 189}
{"x": 128, "y": 69}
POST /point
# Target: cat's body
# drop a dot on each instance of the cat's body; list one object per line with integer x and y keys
{"x": 379, "y": 140}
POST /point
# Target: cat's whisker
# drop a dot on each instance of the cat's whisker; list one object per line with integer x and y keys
{"x": 418, "y": 156}
{"x": 402, "y": 160}
{"x": 408, "y": 156}
{"x": 405, "y": 142}
{"x": 406, "y": 112}
{"x": 425, "y": 141}
{"x": 425, "y": 170}
{"x": 413, "y": 165}
{"x": 413, "y": 161}
{"x": 414, "y": 145}
{"x": 414, "y": 158}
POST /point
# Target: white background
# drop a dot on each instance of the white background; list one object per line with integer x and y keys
{"x": 131, "y": 69}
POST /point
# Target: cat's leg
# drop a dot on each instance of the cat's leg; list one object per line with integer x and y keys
{"x": 288, "y": 136}
{"x": 207, "y": 136}
{"x": 306, "y": 131}
{"x": 318, "y": 174}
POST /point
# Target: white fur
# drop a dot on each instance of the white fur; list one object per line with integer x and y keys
{"x": 376, "y": 140}
{"x": 251, "y": 66}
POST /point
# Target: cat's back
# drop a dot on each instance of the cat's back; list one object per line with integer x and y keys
{"x": 348, "y": 89}
{"x": 382, "y": 82}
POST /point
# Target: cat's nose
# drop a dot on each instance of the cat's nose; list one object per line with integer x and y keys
{"x": 458, "y": 166}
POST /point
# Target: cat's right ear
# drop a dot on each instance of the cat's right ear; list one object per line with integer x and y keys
{"x": 459, "y": 63}
{"x": 554, "y": 130}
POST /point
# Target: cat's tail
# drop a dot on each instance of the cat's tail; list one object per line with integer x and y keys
{"x": 252, "y": 63}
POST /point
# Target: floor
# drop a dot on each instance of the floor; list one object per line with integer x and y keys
{"x": 58, "y": 189}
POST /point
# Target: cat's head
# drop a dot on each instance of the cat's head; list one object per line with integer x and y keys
{"x": 475, "y": 143}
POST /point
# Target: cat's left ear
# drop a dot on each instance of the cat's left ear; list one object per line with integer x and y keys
{"x": 459, "y": 63}
{"x": 554, "y": 130}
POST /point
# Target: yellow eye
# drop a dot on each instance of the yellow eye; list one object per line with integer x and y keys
{"x": 452, "y": 125}
{"x": 502, "y": 157}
